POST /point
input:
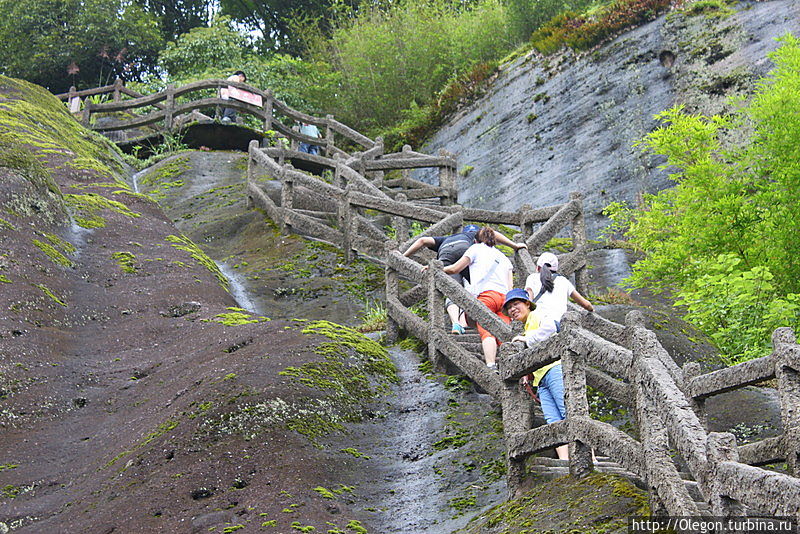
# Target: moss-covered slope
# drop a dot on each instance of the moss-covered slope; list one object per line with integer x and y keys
{"x": 123, "y": 360}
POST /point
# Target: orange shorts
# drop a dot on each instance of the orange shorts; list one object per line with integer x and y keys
{"x": 494, "y": 301}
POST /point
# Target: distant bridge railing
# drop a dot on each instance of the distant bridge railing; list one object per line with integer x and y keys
{"x": 171, "y": 108}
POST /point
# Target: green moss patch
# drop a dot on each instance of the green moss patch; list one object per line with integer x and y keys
{"x": 26, "y": 165}
{"x": 50, "y": 294}
{"x": 162, "y": 429}
{"x": 125, "y": 260}
{"x": 599, "y": 503}
{"x": 32, "y": 117}
{"x": 163, "y": 177}
{"x": 86, "y": 209}
{"x": 237, "y": 317}
{"x": 51, "y": 252}
{"x": 354, "y": 372}
{"x": 186, "y": 244}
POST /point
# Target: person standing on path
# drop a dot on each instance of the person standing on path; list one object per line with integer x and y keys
{"x": 449, "y": 249}
{"x": 312, "y": 131}
{"x": 229, "y": 114}
{"x": 550, "y": 290}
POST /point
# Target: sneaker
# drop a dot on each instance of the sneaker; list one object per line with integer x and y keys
{"x": 457, "y": 329}
{"x": 226, "y": 119}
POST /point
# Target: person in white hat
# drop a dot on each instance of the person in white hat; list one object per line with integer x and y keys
{"x": 550, "y": 290}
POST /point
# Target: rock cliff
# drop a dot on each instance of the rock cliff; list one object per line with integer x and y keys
{"x": 551, "y": 125}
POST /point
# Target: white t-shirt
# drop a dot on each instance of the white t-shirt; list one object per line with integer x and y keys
{"x": 551, "y": 304}
{"x": 489, "y": 269}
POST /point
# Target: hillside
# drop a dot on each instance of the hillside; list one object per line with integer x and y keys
{"x": 169, "y": 362}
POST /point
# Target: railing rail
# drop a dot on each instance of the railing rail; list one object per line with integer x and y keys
{"x": 171, "y": 104}
{"x": 360, "y": 211}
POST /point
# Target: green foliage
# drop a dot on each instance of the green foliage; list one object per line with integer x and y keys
{"x": 581, "y": 31}
{"x": 739, "y": 307}
{"x": 215, "y": 48}
{"x": 526, "y": 16}
{"x": 724, "y": 239}
{"x": 39, "y": 39}
{"x": 392, "y": 60}
{"x": 220, "y": 49}
{"x": 373, "y": 317}
{"x": 178, "y": 16}
{"x": 277, "y": 21}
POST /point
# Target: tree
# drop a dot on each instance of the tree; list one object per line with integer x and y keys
{"x": 214, "y": 49}
{"x": 177, "y": 17}
{"x": 99, "y": 39}
{"x": 220, "y": 49}
{"x": 276, "y": 20}
{"x": 724, "y": 239}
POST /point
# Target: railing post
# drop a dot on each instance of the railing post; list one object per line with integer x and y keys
{"x": 436, "y": 317}
{"x": 377, "y": 177}
{"x": 117, "y": 87}
{"x": 73, "y": 100}
{"x": 721, "y": 447}
{"x": 345, "y": 221}
{"x": 251, "y": 169}
{"x": 516, "y": 408}
{"x": 579, "y": 243}
{"x": 86, "y": 118}
{"x": 660, "y": 470}
{"x": 329, "y": 140}
{"x": 447, "y": 179}
{"x": 338, "y": 178}
{"x": 783, "y": 340}
{"x": 691, "y": 370}
{"x": 525, "y": 226}
{"x": 287, "y": 201}
{"x": 169, "y": 107}
{"x": 393, "y": 292}
{"x": 268, "y": 111}
{"x": 400, "y": 223}
{"x": 575, "y": 401}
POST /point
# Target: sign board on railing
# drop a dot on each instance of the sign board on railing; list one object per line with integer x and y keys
{"x": 245, "y": 96}
{"x": 74, "y": 104}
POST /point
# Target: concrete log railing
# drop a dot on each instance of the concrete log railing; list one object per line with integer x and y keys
{"x": 634, "y": 373}
{"x": 161, "y": 110}
{"x": 625, "y": 362}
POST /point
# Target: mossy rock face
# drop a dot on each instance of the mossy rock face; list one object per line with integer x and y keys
{"x": 599, "y": 503}
{"x": 335, "y": 386}
{"x": 56, "y": 137}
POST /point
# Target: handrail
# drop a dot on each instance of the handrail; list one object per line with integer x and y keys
{"x": 626, "y": 362}
{"x": 169, "y": 108}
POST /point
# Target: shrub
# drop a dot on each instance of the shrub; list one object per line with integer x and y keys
{"x": 724, "y": 239}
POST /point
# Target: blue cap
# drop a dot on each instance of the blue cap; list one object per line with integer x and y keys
{"x": 517, "y": 294}
{"x": 471, "y": 229}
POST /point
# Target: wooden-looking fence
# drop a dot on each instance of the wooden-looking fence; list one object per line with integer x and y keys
{"x": 710, "y": 475}
{"x": 171, "y": 108}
